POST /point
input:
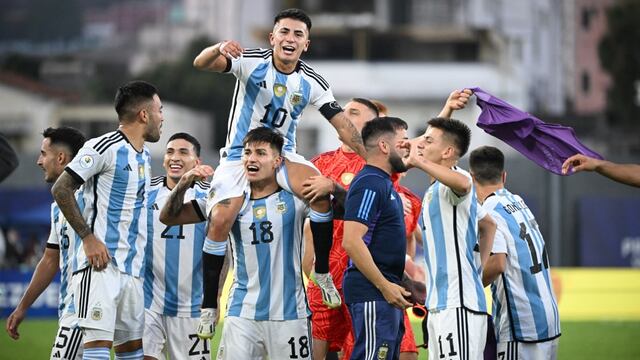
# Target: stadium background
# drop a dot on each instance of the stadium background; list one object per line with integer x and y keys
{"x": 548, "y": 57}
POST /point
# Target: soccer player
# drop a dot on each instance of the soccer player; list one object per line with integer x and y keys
{"x": 267, "y": 312}
{"x": 524, "y": 305}
{"x": 173, "y": 270}
{"x": 332, "y": 327}
{"x": 59, "y": 146}
{"x": 372, "y": 221}
{"x": 111, "y": 219}
{"x": 453, "y": 225}
{"x": 273, "y": 88}
{"x": 628, "y": 174}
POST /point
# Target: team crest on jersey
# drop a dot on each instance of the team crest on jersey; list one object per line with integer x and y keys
{"x": 96, "y": 313}
{"x": 429, "y": 196}
{"x": 141, "y": 171}
{"x": 259, "y": 212}
{"x": 346, "y": 178}
{"x": 383, "y": 350}
{"x": 86, "y": 161}
{"x": 296, "y": 98}
{"x": 279, "y": 89}
{"x": 281, "y": 208}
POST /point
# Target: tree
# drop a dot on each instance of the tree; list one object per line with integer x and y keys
{"x": 619, "y": 52}
{"x": 180, "y": 82}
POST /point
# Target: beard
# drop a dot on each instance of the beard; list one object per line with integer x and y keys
{"x": 396, "y": 162}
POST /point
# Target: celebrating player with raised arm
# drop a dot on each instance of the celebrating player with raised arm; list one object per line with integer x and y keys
{"x": 273, "y": 88}
{"x": 173, "y": 282}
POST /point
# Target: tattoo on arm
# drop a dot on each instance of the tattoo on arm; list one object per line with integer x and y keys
{"x": 175, "y": 201}
{"x": 63, "y": 193}
{"x": 224, "y": 203}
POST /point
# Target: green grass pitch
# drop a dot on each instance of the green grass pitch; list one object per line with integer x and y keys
{"x": 579, "y": 340}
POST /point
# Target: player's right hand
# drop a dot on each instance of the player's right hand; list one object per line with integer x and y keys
{"x": 96, "y": 252}
{"x": 13, "y": 322}
{"x": 230, "y": 49}
{"x": 415, "y": 155}
{"x": 579, "y": 162}
{"x": 457, "y": 100}
{"x": 396, "y": 295}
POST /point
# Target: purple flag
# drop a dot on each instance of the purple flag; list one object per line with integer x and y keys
{"x": 548, "y": 145}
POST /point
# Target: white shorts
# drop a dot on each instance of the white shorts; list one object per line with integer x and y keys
{"x": 68, "y": 342}
{"x": 109, "y": 305}
{"x": 230, "y": 181}
{"x": 172, "y": 337}
{"x": 514, "y": 350}
{"x": 251, "y": 339}
{"x": 456, "y": 334}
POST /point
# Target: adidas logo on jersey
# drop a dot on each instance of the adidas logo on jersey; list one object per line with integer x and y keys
{"x": 155, "y": 206}
{"x": 127, "y": 168}
{"x": 393, "y": 197}
{"x": 56, "y": 355}
{"x": 262, "y": 84}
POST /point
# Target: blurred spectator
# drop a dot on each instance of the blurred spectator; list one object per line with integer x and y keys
{"x": 15, "y": 250}
{"x": 8, "y": 159}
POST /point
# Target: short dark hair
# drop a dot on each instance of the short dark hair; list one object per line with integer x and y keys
{"x": 381, "y": 126}
{"x": 293, "y": 13}
{"x": 67, "y": 136}
{"x": 487, "y": 164}
{"x": 457, "y": 131}
{"x": 131, "y": 95}
{"x": 189, "y": 138}
{"x": 368, "y": 103}
{"x": 264, "y": 135}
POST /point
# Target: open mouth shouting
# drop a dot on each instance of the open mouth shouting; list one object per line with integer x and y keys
{"x": 288, "y": 50}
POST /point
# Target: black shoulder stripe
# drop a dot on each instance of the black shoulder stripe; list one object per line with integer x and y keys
{"x": 257, "y": 51}
{"x": 105, "y": 139}
{"x": 316, "y": 77}
{"x": 256, "y": 56}
{"x": 309, "y": 70}
{"x": 108, "y": 144}
{"x": 53, "y": 246}
{"x": 157, "y": 180}
{"x": 197, "y": 209}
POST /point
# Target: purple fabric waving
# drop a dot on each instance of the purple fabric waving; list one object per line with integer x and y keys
{"x": 548, "y": 145}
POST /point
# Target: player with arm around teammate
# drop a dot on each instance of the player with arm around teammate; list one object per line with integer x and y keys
{"x": 59, "y": 146}
{"x": 453, "y": 224}
{"x": 273, "y": 88}
{"x": 525, "y": 309}
{"x": 173, "y": 275}
{"x": 267, "y": 312}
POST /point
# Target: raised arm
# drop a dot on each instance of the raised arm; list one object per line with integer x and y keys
{"x": 628, "y": 174}
{"x": 460, "y": 184}
{"x": 348, "y": 133}
{"x": 216, "y": 57}
{"x": 63, "y": 193}
{"x": 42, "y": 276}
{"x": 457, "y": 100}
{"x": 177, "y": 212}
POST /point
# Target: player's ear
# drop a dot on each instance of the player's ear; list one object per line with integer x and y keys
{"x": 272, "y": 41}
{"x": 504, "y": 177}
{"x": 306, "y": 46}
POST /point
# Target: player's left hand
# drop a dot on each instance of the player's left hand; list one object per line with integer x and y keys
{"x": 316, "y": 187}
{"x": 457, "y": 100}
{"x": 579, "y": 162}
{"x": 200, "y": 172}
{"x": 415, "y": 155}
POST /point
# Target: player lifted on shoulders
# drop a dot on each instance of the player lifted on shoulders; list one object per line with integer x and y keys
{"x": 273, "y": 88}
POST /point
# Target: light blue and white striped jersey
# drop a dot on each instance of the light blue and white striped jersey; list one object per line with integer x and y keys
{"x": 116, "y": 184}
{"x": 450, "y": 233}
{"x": 264, "y": 96}
{"x": 524, "y": 305}
{"x": 267, "y": 246}
{"x": 64, "y": 239}
{"x": 173, "y": 264}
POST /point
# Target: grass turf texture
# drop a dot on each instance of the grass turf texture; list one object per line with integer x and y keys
{"x": 579, "y": 340}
